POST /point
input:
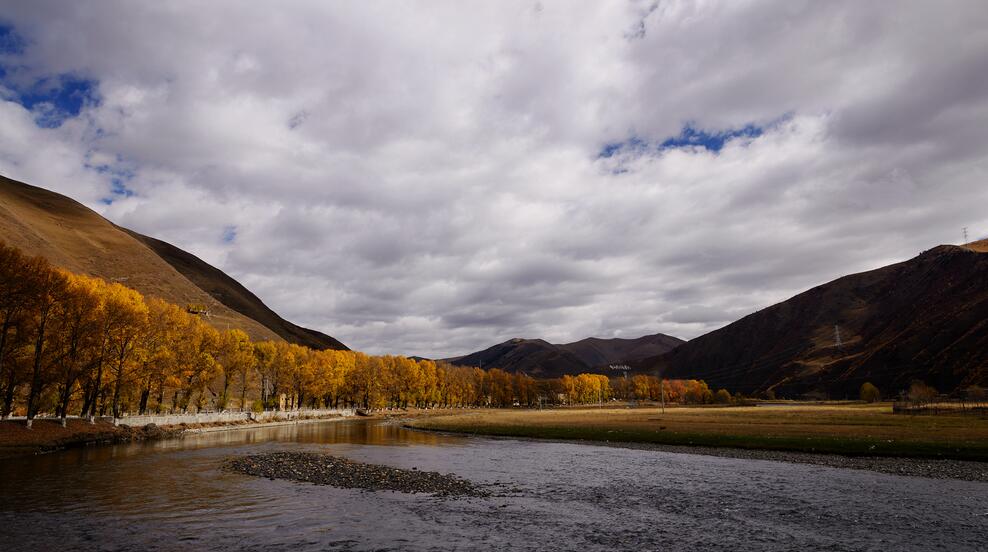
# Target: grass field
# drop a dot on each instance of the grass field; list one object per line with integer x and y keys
{"x": 855, "y": 429}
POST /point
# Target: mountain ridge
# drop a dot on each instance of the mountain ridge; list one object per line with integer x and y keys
{"x": 70, "y": 235}
{"x": 924, "y": 318}
{"x": 539, "y": 358}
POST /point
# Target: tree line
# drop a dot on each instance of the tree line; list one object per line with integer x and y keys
{"x": 72, "y": 344}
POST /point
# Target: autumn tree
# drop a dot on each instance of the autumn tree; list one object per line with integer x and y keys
{"x": 698, "y": 392}
{"x": 870, "y": 393}
{"x": 920, "y": 392}
{"x": 76, "y": 337}
{"x": 723, "y": 396}
{"x": 18, "y": 275}
{"x": 130, "y": 314}
{"x": 49, "y": 290}
{"x": 236, "y": 360}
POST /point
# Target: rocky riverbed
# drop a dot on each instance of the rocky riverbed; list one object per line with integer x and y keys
{"x": 324, "y": 469}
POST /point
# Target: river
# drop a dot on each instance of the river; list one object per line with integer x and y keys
{"x": 172, "y": 495}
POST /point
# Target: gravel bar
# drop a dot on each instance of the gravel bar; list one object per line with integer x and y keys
{"x": 324, "y": 469}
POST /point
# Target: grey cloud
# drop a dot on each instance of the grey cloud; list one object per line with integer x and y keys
{"x": 427, "y": 181}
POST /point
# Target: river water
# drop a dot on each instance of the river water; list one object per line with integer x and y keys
{"x": 172, "y": 495}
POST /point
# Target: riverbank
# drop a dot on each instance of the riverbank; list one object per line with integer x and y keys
{"x": 49, "y": 435}
{"x": 849, "y": 436}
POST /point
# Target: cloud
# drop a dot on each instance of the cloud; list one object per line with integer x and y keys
{"x": 431, "y": 181}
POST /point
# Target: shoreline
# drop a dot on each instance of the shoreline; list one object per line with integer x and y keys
{"x": 49, "y": 436}
{"x": 931, "y": 468}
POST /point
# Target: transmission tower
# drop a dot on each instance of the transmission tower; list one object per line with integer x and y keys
{"x": 837, "y": 342}
{"x": 965, "y": 235}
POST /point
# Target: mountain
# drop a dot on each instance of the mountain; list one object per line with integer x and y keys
{"x": 594, "y": 351}
{"x": 233, "y": 295}
{"x": 539, "y": 358}
{"x": 71, "y": 235}
{"x": 922, "y": 319}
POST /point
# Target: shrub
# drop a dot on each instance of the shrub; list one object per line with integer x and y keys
{"x": 870, "y": 393}
{"x": 723, "y": 396}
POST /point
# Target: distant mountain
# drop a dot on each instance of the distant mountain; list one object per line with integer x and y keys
{"x": 539, "y": 358}
{"x": 72, "y": 236}
{"x": 594, "y": 351}
{"x": 922, "y": 319}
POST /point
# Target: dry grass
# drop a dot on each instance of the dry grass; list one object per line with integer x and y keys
{"x": 844, "y": 429}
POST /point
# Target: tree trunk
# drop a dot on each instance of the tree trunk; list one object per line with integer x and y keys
{"x": 243, "y": 391}
{"x": 8, "y": 398}
{"x": 97, "y": 383}
{"x": 145, "y": 394}
{"x": 116, "y": 386}
{"x": 39, "y": 350}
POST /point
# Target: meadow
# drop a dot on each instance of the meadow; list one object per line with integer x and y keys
{"x": 848, "y": 429}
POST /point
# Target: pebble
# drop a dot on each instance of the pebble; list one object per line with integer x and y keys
{"x": 324, "y": 469}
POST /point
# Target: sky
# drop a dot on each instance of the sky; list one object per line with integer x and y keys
{"x": 431, "y": 178}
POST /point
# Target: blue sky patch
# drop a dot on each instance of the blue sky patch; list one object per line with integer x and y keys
{"x": 11, "y": 43}
{"x": 55, "y": 99}
{"x": 713, "y": 141}
{"x": 118, "y": 183}
{"x": 51, "y": 98}
{"x": 689, "y": 137}
{"x": 229, "y": 234}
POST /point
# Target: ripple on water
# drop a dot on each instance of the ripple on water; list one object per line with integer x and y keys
{"x": 554, "y": 496}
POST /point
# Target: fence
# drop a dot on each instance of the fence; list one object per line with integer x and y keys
{"x": 941, "y": 407}
{"x": 232, "y": 417}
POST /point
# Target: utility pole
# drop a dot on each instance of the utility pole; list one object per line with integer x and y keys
{"x": 837, "y": 342}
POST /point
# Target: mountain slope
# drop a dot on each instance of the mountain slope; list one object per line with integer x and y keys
{"x": 232, "y": 294}
{"x": 925, "y": 318}
{"x": 594, "y": 351}
{"x": 71, "y": 235}
{"x": 539, "y": 358}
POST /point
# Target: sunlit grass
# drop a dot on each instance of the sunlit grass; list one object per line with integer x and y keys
{"x": 853, "y": 429}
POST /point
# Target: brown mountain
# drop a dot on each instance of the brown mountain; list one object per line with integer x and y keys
{"x": 539, "y": 358}
{"x": 71, "y": 235}
{"x": 597, "y": 352}
{"x": 922, "y": 319}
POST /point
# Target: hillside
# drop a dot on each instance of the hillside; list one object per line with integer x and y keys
{"x": 71, "y": 235}
{"x": 925, "y": 318}
{"x": 539, "y": 358}
{"x": 597, "y": 352}
{"x": 233, "y": 295}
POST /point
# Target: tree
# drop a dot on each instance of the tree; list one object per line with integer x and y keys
{"x": 76, "y": 337}
{"x": 129, "y": 318}
{"x": 236, "y": 360}
{"x": 870, "y": 393}
{"x": 50, "y": 289}
{"x": 920, "y": 392}
{"x": 723, "y": 396}
{"x": 697, "y": 392}
{"x": 976, "y": 393}
{"x": 19, "y": 278}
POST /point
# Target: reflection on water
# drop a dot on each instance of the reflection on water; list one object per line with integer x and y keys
{"x": 123, "y": 476}
{"x": 172, "y": 495}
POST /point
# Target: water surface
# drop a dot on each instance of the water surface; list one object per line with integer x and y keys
{"x": 172, "y": 495}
